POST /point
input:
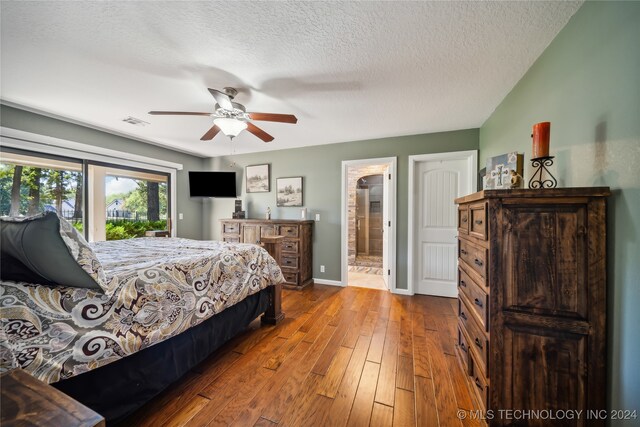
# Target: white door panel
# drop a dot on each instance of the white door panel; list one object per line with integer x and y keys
{"x": 439, "y": 182}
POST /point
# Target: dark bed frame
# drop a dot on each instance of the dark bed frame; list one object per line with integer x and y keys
{"x": 116, "y": 390}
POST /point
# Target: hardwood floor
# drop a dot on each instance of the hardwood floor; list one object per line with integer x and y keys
{"x": 342, "y": 357}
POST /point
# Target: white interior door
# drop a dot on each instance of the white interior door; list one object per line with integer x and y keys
{"x": 438, "y": 183}
{"x": 385, "y": 227}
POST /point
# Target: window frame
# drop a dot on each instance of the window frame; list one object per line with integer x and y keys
{"x": 103, "y": 164}
{"x": 80, "y": 162}
{"x": 43, "y": 145}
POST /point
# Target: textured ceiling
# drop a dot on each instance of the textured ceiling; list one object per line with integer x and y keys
{"x": 348, "y": 70}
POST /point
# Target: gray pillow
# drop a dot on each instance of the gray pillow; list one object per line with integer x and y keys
{"x": 52, "y": 249}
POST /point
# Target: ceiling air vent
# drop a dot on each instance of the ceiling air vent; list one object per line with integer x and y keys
{"x": 134, "y": 121}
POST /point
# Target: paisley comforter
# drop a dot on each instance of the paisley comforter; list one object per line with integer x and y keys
{"x": 165, "y": 286}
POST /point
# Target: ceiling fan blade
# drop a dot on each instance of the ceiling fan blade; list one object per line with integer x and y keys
{"x": 222, "y": 99}
{"x": 178, "y": 113}
{"x": 271, "y": 117}
{"x": 210, "y": 133}
{"x": 259, "y": 132}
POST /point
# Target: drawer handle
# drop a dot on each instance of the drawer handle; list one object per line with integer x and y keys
{"x": 479, "y": 221}
{"x": 478, "y": 343}
{"x": 463, "y": 252}
{"x": 479, "y": 385}
{"x": 464, "y": 316}
{"x": 478, "y": 262}
{"x": 463, "y": 347}
{"x": 462, "y": 283}
{"x": 477, "y": 302}
{"x": 464, "y": 219}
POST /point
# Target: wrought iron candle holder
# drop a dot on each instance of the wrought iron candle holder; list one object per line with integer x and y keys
{"x": 538, "y": 180}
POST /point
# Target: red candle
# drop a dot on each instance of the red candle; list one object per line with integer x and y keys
{"x": 540, "y": 136}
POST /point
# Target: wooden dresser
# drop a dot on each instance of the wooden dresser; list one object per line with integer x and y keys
{"x": 532, "y": 300}
{"x": 296, "y": 257}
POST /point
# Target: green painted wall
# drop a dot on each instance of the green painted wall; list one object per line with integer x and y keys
{"x": 321, "y": 168}
{"x": 587, "y": 84}
{"x": 26, "y": 121}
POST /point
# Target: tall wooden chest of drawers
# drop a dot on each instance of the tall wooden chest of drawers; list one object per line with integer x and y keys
{"x": 296, "y": 255}
{"x": 532, "y": 301}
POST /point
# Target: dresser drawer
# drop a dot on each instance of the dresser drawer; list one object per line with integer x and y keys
{"x": 464, "y": 349}
{"x": 290, "y": 246}
{"x": 231, "y": 239}
{"x": 289, "y": 231}
{"x": 475, "y": 257}
{"x": 478, "y": 261}
{"x": 290, "y": 278}
{"x": 230, "y": 227}
{"x": 477, "y": 339}
{"x": 478, "y": 221}
{"x": 463, "y": 219}
{"x": 465, "y": 251}
{"x": 479, "y": 381}
{"x": 289, "y": 261}
{"x": 476, "y": 296}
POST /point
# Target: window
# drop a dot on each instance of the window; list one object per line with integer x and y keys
{"x": 127, "y": 202}
{"x": 104, "y": 201}
{"x": 30, "y": 184}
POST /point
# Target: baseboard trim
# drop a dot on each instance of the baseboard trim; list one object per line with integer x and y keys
{"x": 328, "y": 282}
{"x": 401, "y": 292}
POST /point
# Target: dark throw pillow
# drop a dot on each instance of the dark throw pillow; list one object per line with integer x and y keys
{"x": 51, "y": 249}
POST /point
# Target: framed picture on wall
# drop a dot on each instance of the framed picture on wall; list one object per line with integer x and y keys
{"x": 289, "y": 191}
{"x": 258, "y": 179}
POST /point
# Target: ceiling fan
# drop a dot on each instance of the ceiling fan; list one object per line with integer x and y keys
{"x": 232, "y": 118}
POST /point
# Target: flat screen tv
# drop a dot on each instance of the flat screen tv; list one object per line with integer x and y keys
{"x": 212, "y": 184}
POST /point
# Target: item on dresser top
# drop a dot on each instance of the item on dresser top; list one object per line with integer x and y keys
{"x": 540, "y": 135}
{"x": 238, "y": 205}
{"x": 499, "y": 170}
{"x": 516, "y": 180}
{"x": 542, "y": 177}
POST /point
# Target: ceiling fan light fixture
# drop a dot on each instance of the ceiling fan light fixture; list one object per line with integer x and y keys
{"x": 230, "y": 127}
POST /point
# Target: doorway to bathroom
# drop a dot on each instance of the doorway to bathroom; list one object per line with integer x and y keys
{"x": 368, "y": 226}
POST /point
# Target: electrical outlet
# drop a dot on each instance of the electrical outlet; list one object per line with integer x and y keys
{"x": 322, "y": 269}
{"x": 317, "y": 217}
{"x": 180, "y": 216}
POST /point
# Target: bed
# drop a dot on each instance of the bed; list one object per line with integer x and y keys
{"x": 168, "y": 304}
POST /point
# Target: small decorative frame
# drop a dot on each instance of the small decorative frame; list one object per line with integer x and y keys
{"x": 258, "y": 179}
{"x": 289, "y": 191}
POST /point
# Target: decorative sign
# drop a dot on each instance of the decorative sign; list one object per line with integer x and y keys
{"x": 499, "y": 170}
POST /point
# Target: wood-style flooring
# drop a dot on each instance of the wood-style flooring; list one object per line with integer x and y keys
{"x": 342, "y": 357}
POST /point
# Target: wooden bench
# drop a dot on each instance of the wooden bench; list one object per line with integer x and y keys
{"x": 26, "y": 401}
